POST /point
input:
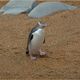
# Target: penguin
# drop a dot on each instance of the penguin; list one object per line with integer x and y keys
{"x": 35, "y": 39}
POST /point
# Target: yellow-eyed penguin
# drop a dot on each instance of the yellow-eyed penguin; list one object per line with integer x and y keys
{"x": 36, "y": 39}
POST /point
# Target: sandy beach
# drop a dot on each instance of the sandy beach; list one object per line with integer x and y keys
{"x": 62, "y": 46}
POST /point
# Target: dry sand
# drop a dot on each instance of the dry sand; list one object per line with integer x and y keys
{"x": 62, "y": 45}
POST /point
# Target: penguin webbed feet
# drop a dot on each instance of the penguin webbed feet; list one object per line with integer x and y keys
{"x": 42, "y": 53}
{"x": 34, "y": 57}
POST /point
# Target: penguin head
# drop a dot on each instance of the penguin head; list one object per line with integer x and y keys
{"x": 41, "y": 25}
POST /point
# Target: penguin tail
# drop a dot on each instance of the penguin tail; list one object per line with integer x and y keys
{"x": 27, "y": 51}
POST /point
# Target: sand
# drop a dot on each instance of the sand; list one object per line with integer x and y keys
{"x": 62, "y": 46}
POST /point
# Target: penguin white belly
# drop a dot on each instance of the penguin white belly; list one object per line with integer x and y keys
{"x": 38, "y": 38}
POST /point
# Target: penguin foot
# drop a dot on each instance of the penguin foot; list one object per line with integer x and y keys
{"x": 42, "y": 53}
{"x": 33, "y": 58}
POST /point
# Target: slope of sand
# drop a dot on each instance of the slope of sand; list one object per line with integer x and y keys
{"x": 62, "y": 45}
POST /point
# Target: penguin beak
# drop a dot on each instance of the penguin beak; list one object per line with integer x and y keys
{"x": 42, "y": 24}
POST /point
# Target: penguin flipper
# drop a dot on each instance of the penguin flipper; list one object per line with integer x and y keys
{"x": 29, "y": 40}
{"x": 31, "y": 37}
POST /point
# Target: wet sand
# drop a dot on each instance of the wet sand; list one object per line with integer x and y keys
{"x": 62, "y": 45}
